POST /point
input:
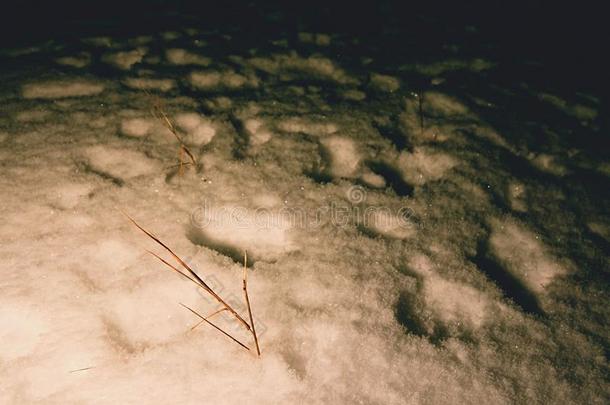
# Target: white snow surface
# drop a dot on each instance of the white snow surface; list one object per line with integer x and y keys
{"x": 381, "y": 272}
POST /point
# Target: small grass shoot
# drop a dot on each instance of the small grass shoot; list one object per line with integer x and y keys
{"x": 158, "y": 112}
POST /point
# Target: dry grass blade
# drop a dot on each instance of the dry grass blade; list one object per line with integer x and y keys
{"x": 192, "y": 275}
{"x": 81, "y": 369}
{"x": 179, "y": 165}
{"x": 158, "y": 113}
{"x": 177, "y": 270}
{"x": 245, "y": 286}
{"x": 216, "y": 327}
{"x": 208, "y": 317}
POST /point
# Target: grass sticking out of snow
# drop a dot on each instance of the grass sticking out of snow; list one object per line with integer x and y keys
{"x": 189, "y": 274}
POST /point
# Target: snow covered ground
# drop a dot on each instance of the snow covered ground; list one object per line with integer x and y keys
{"x": 411, "y": 241}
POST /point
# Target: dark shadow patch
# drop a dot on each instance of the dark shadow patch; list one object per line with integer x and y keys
{"x": 392, "y": 177}
{"x": 393, "y": 133}
{"x": 118, "y": 338}
{"x": 199, "y": 238}
{"x": 417, "y": 320}
{"x": 88, "y": 169}
{"x": 242, "y": 139}
{"x": 600, "y": 242}
{"x": 594, "y": 182}
{"x": 511, "y": 287}
{"x": 319, "y": 176}
{"x": 368, "y": 232}
{"x": 296, "y": 361}
{"x": 171, "y": 174}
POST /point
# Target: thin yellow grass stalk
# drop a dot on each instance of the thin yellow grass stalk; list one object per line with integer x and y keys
{"x": 247, "y": 299}
{"x": 158, "y": 112}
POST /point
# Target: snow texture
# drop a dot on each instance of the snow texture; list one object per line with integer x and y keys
{"x": 405, "y": 246}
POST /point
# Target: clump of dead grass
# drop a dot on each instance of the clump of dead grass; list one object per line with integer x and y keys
{"x": 158, "y": 111}
{"x": 184, "y": 270}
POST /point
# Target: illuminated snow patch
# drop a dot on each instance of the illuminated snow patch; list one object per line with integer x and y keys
{"x": 344, "y": 156}
{"x": 136, "y": 127}
{"x": 233, "y": 229}
{"x": 455, "y": 302}
{"x": 78, "y": 61}
{"x": 120, "y": 163}
{"x": 292, "y": 65}
{"x": 178, "y": 56}
{"x": 142, "y": 83}
{"x": 62, "y": 89}
{"x": 385, "y": 223}
{"x": 200, "y": 130}
{"x": 258, "y": 132}
{"x": 21, "y": 329}
{"x": 228, "y": 79}
{"x": 385, "y": 83}
{"x": 126, "y": 59}
{"x": 307, "y": 126}
{"x": 423, "y": 165}
{"x": 524, "y": 255}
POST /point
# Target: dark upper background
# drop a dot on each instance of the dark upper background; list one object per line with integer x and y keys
{"x": 536, "y": 46}
{"x": 569, "y": 39}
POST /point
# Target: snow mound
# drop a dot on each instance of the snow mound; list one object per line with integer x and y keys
{"x": 576, "y": 110}
{"x": 344, "y": 157}
{"x": 233, "y": 229}
{"x": 32, "y": 115}
{"x": 373, "y": 179}
{"x": 129, "y": 331}
{"x": 114, "y": 253}
{"x": 199, "y": 130}
{"x": 352, "y": 95}
{"x": 69, "y": 194}
{"x": 384, "y": 83}
{"x": 119, "y": 164}
{"x": 136, "y": 127}
{"x": 21, "y": 328}
{"x": 383, "y": 222}
{"x": 258, "y": 132}
{"x": 78, "y": 61}
{"x": 292, "y": 66}
{"x": 62, "y": 89}
{"x": 424, "y": 165}
{"x": 548, "y": 163}
{"x": 307, "y": 126}
{"x": 454, "y": 303}
{"x": 439, "y": 104}
{"x": 125, "y": 59}
{"x": 600, "y": 229}
{"x": 177, "y": 56}
{"x": 220, "y": 103}
{"x": 524, "y": 256}
{"x": 517, "y": 196}
{"x": 142, "y": 83}
{"x": 440, "y": 307}
{"x": 221, "y": 79}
